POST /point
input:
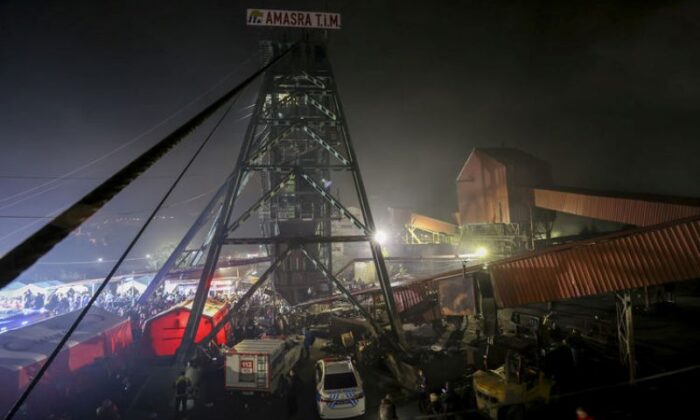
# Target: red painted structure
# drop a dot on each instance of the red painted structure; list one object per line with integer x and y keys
{"x": 664, "y": 253}
{"x": 495, "y": 186}
{"x": 630, "y": 259}
{"x": 163, "y": 333}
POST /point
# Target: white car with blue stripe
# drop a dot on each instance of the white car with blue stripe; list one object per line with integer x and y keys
{"x": 339, "y": 393}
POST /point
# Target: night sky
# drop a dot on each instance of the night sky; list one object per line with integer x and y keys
{"x": 607, "y": 92}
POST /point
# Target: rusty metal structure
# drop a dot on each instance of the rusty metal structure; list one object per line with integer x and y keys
{"x": 624, "y": 260}
{"x": 495, "y": 198}
{"x": 628, "y": 209}
{"x": 421, "y": 229}
{"x": 495, "y": 186}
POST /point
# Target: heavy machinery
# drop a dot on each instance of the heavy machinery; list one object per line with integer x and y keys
{"x": 512, "y": 389}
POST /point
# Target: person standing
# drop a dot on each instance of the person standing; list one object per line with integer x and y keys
{"x": 308, "y": 342}
{"x": 448, "y": 398}
{"x": 422, "y": 388}
{"x": 182, "y": 386}
{"x": 387, "y": 409}
{"x": 293, "y": 389}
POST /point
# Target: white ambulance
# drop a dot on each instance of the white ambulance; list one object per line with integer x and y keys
{"x": 256, "y": 367}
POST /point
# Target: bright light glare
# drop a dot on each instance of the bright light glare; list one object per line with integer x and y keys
{"x": 100, "y": 259}
{"x": 481, "y": 252}
{"x": 380, "y": 237}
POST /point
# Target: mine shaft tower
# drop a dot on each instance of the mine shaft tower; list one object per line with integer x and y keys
{"x": 296, "y": 141}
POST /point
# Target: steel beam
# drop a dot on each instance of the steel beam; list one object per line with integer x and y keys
{"x": 296, "y": 240}
{"x": 233, "y": 187}
{"x": 24, "y": 255}
{"x": 248, "y": 294}
{"x": 334, "y": 202}
{"x": 625, "y": 332}
{"x": 290, "y": 167}
{"x": 382, "y": 273}
{"x": 268, "y": 195}
{"x": 330, "y": 149}
{"x": 348, "y": 295}
{"x": 180, "y": 248}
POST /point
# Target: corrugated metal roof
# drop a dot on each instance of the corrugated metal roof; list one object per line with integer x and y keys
{"x": 432, "y": 225}
{"x": 641, "y": 257}
{"x": 631, "y": 209}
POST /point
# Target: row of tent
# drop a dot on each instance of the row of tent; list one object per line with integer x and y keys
{"x": 18, "y": 289}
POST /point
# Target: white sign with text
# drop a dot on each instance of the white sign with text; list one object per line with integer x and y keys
{"x": 293, "y": 19}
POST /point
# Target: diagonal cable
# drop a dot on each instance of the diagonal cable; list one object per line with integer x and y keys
{"x": 42, "y": 241}
{"x": 15, "y": 408}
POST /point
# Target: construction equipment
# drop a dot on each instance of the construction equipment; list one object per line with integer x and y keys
{"x": 512, "y": 389}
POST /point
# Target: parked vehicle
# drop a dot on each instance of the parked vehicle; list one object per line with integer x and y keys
{"x": 258, "y": 366}
{"x": 339, "y": 392}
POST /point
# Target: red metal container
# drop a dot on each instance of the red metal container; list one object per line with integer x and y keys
{"x": 163, "y": 333}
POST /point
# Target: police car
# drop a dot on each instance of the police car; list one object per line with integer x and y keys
{"x": 339, "y": 391}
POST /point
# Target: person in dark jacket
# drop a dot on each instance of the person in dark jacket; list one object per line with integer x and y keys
{"x": 387, "y": 409}
{"x": 182, "y": 385}
{"x": 309, "y": 339}
{"x": 422, "y": 389}
{"x": 293, "y": 390}
{"x": 448, "y": 398}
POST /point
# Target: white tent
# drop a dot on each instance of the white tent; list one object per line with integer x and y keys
{"x": 77, "y": 288}
{"x": 13, "y": 290}
{"x": 140, "y": 284}
{"x": 31, "y": 287}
